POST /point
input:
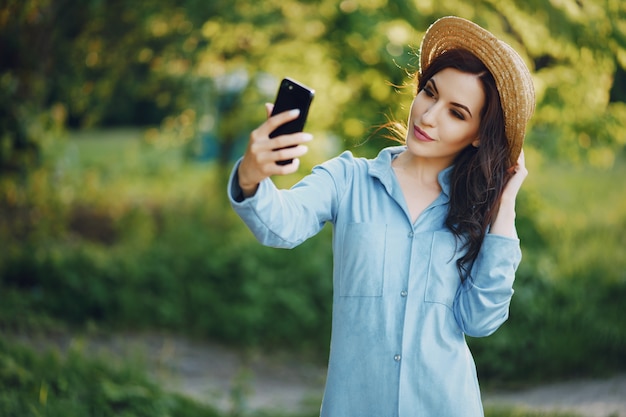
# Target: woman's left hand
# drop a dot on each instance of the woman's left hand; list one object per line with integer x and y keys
{"x": 514, "y": 184}
{"x": 504, "y": 222}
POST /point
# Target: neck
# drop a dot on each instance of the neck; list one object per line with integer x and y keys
{"x": 423, "y": 171}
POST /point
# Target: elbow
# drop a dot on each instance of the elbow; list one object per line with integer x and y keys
{"x": 267, "y": 238}
{"x": 483, "y": 316}
{"x": 481, "y": 311}
{"x": 484, "y": 326}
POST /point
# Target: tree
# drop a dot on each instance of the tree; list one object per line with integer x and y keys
{"x": 169, "y": 62}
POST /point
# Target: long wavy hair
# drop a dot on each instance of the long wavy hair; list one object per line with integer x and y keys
{"x": 479, "y": 173}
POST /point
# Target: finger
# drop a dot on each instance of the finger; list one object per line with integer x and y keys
{"x": 522, "y": 159}
{"x": 519, "y": 164}
{"x": 277, "y": 120}
{"x": 267, "y": 151}
{"x": 268, "y": 109}
{"x": 289, "y": 168}
{"x": 270, "y": 167}
{"x": 276, "y": 169}
{"x": 262, "y": 146}
{"x": 285, "y": 154}
{"x": 285, "y": 141}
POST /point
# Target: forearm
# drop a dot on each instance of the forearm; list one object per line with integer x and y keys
{"x": 504, "y": 223}
{"x": 482, "y": 303}
{"x": 285, "y": 218}
{"x": 247, "y": 189}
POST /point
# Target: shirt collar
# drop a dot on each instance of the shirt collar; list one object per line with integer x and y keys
{"x": 380, "y": 167}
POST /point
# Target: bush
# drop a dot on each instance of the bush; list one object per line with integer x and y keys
{"x": 195, "y": 278}
{"x": 75, "y": 386}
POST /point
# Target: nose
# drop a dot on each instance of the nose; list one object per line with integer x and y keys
{"x": 429, "y": 116}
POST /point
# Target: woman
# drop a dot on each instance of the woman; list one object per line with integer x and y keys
{"x": 425, "y": 247}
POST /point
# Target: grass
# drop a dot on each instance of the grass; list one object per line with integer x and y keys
{"x": 524, "y": 412}
{"x": 91, "y": 166}
{"x": 73, "y": 385}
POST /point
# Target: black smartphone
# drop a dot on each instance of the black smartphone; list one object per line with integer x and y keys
{"x": 292, "y": 95}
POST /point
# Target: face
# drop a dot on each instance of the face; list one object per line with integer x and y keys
{"x": 445, "y": 116}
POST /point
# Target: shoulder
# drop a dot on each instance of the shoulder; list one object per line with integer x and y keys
{"x": 346, "y": 161}
{"x": 342, "y": 166}
{"x": 346, "y": 158}
{"x": 347, "y": 170}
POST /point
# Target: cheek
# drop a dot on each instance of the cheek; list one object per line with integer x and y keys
{"x": 473, "y": 132}
{"x": 413, "y": 106}
{"x": 458, "y": 134}
{"x": 417, "y": 106}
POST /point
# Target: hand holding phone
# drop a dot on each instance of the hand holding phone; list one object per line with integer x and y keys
{"x": 292, "y": 95}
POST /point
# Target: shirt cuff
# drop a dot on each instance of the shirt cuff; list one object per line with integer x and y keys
{"x": 235, "y": 193}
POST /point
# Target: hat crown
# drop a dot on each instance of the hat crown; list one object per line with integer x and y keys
{"x": 513, "y": 79}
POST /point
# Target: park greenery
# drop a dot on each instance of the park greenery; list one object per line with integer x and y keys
{"x": 119, "y": 122}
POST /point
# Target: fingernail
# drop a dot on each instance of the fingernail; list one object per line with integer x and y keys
{"x": 307, "y": 137}
{"x": 294, "y": 112}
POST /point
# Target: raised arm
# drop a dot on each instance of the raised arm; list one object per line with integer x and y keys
{"x": 504, "y": 223}
{"x": 259, "y": 160}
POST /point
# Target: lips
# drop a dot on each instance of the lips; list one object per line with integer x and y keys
{"x": 421, "y": 135}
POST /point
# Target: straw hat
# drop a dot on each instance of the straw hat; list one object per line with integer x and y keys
{"x": 513, "y": 79}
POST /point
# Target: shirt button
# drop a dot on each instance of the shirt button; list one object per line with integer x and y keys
{"x": 411, "y": 234}
{"x": 397, "y": 358}
{"x": 404, "y": 293}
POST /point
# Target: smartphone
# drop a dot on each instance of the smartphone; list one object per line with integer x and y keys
{"x": 292, "y": 95}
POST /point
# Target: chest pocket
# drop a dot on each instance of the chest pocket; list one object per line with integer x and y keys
{"x": 361, "y": 261}
{"x": 443, "y": 277}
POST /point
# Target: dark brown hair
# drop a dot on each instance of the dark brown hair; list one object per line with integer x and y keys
{"x": 479, "y": 173}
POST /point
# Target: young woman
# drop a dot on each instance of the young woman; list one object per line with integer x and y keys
{"x": 425, "y": 247}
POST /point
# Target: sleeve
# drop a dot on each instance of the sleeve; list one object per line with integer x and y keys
{"x": 286, "y": 218}
{"x": 482, "y": 302}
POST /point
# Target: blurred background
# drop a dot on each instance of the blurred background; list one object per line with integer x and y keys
{"x": 120, "y": 121}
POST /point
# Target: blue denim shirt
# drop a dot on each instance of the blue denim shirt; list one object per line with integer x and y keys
{"x": 400, "y": 311}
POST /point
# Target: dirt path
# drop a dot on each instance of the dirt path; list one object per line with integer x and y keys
{"x": 591, "y": 398}
{"x": 232, "y": 380}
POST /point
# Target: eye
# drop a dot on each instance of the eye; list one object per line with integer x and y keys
{"x": 457, "y": 114}
{"x": 428, "y": 92}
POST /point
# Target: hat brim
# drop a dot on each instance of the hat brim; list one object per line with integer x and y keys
{"x": 512, "y": 76}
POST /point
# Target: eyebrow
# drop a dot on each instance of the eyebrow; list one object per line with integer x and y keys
{"x": 459, "y": 105}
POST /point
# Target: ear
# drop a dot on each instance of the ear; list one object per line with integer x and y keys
{"x": 476, "y": 143}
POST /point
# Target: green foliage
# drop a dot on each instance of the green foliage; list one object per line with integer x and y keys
{"x": 156, "y": 255}
{"x": 149, "y": 242}
{"x": 126, "y": 233}
{"x": 200, "y": 72}
{"x": 51, "y": 384}
{"x": 522, "y": 412}
{"x": 187, "y": 281}
{"x": 73, "y": 384}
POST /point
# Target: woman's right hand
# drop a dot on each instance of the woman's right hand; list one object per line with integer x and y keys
{"x": 259, "y": 160}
